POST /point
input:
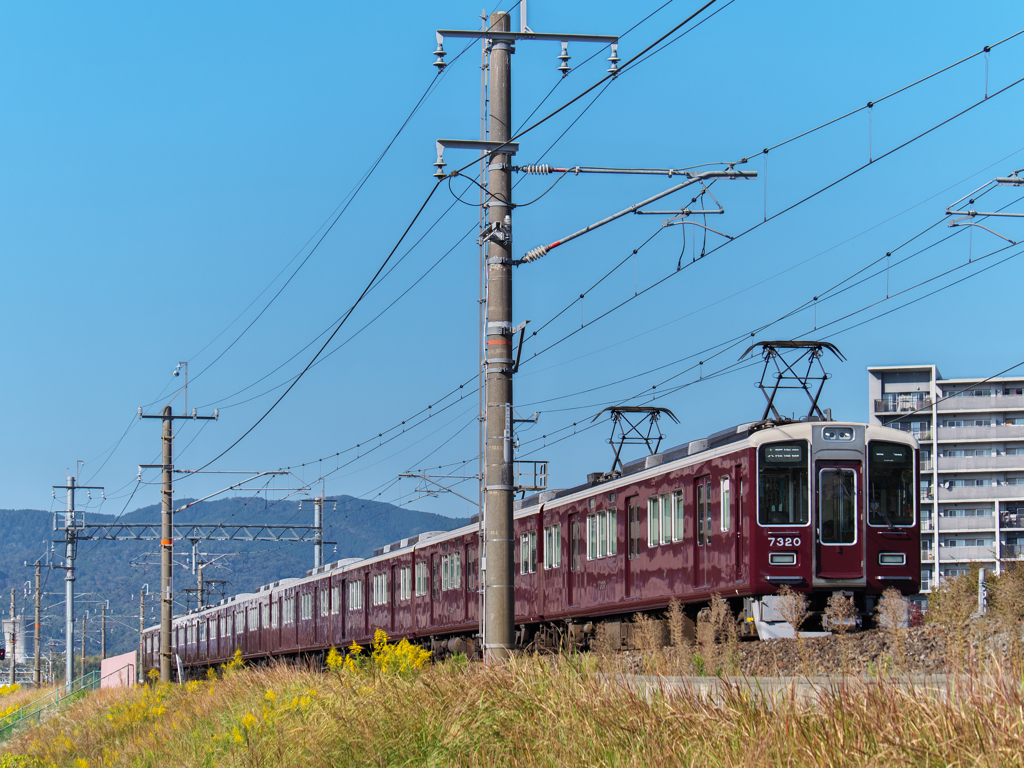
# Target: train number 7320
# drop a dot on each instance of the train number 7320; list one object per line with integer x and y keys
{"x": 778, "y": 541}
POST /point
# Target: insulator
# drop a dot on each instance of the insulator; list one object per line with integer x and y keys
{"x": 535, "y": 254}
{"x": 440, "y": 53}
{"x": 564, "y": 58}
{"x": 539, "y": 170}
{"x": 614, "y": 59}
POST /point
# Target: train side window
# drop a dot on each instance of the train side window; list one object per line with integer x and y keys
{"x": 275, "y": 613}
{"x": 421, "y": 578}
{"x": 528, "y": 552}
{"x": 335, "y": 600}
{"x": 783, "y": 487}
{"x": 633, "y": 514}
{"x": 726, "y": 502}
{"x": 677, "y": 519}
{"x": 265, "y": 610}
{"x": 666, "y": 518}
{"x": 355, "y": 594}
{"x": 553, "y": 546}
{"x": 653, "y": 522}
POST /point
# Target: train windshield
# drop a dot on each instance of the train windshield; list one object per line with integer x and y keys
{"x": 783, "y": 484}
{"x": 890, "y": 484}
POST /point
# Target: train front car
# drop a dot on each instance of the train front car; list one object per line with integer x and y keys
{"x": 836, "y": 511}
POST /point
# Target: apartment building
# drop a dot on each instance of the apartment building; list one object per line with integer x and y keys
{"x": 972, "y": 463}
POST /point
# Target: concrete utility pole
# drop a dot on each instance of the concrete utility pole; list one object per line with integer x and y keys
{"x": 167, "y": 535}
{"x": 83, "y": 648}
{"x": 72, "y": 528}
{"x": 103, "y": 631}
{"x": 37, "y": 671}
{"x": 14, "y": 638}
{"x": 318, "y": 533}
{"x": 499, "y": 589}
{"x": 499, "y": 481}
{"x": 142, "y": 629}
{"x": 199, "y": 585}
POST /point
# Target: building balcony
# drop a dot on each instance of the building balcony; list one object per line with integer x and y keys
{"x": 980, "y": 493}
{"x": 1013, "y": 550}
{"x": 902, "y": 403}
{"x": 927, "y": 525}
{"x": 985, "y": 403}
{"x": 965, "y": 554}
{"x": 983, "y": 523}
{"x": 979, "y": 463}
{"x": 927, "y": 465}
{"x": 927, "y": 556}
{"x": 1002, "y": 432}
{"x": 1011, "y": 520}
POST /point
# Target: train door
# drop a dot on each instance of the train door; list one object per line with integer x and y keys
{"x": 838, "y": 543}
{"x": 703, "y": 537}
{"x": 435, "y": 587}
{"x": 393, "y": 598}
{"x": 575, "y": 561}
{"x": 632, "y": 542}
{"x": 739, "y": 507}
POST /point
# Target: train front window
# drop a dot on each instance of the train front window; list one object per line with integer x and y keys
{"x": 837, "y": 495}
{"x": 782, "y": 497}
{"x": 890, "y": 484}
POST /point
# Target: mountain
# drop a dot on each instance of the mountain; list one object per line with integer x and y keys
{"x": 116, "y": 571}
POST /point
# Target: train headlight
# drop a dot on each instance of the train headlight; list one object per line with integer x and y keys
{"x": 837, "y": 433}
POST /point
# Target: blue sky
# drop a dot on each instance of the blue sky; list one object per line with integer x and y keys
{"x": 166, "y": 168}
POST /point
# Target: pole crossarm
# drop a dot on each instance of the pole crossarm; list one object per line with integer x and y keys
{"x": 443, "y": 488}
{"x": 206, "y": 532}
{"x": 554, "y": 37}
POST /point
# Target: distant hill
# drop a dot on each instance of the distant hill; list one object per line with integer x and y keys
{"x": 117, "y": 570}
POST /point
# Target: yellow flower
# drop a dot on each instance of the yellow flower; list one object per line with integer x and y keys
{"x": 249, "y": 720}
{"x": 236, "y": 736}
{"x": 269, "y": 695}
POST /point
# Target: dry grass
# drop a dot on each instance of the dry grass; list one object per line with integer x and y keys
{"x": 839, "y": 616}
{"x": 893, "y": 616}
{"x": 531, "y": 712}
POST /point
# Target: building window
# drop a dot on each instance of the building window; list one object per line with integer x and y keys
{"x": 421, "y": 578}
{"x": 553, "y": 546}
{"x": 528, "y": 552}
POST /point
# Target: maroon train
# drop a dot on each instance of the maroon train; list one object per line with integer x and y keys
{"x": 818, "y": 506}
